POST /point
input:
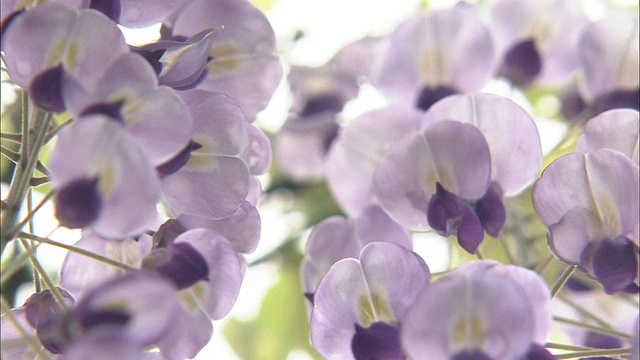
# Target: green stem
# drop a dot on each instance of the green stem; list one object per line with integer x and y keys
{"x": 78, "y": 250}
{"x": 594, "y": 353}
{"x": 566, "y": 274}
{"x": 543, "y": 264}
{"x": 17, "y": 264}
{"x": 593, "y": 328}
{"x": 30, "y": 215}
{"x": 551, "y": 345}
{"x": 20, "y": 185}
{"x": 584, "y": 311}
{"x": 45, "y": 277}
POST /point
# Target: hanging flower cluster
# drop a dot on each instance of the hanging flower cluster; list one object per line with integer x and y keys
{"x": 170, "y": 121}
{"x": 155, "y": 157}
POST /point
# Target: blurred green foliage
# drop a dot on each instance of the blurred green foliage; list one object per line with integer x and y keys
{"x": 282, "y": 324}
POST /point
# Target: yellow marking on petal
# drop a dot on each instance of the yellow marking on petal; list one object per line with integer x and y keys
{"x": 469, "y": 333}
{"x": 224, "y": 57}
{"x": 192, "y": 295}
{"x": 108, "y": 180}
{"x": 383, "y": 308}
{"x": 367, "y": 311}
{"x": 71, "y": 56}
{"x": 56, "y": 52}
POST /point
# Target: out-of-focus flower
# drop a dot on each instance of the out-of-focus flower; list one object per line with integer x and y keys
{"x": 613, "y": 129}
{"x": 537, "y": 41}
{"x": 481, "y": 310}
{"x": 589, "y": 202}
{"x": 609, "y": 59}
{"x": 435, "y": 54}
{"x": 359, "y": 304}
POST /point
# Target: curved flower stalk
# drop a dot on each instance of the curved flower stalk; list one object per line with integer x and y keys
{"x": 61, "y": 47}
{"x": 358, "y": 150}
{"x": 537, "y": 41}
{"x": 428, "y": 57}
{"x": 359, "y": 304}
{"x": 589, "y": 203}
{"x": 338, "y": 238}
{"x": 481, "y": 310}
{"x": 242, "y": 61}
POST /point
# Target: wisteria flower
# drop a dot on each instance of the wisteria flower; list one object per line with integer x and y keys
{"x": 481, "y": 310}
{"x": 613, "y": 129}
{"x": 434, "y": 179}
{"x": 79, "y": 273}
{"x": 589, "y": 202}
{"x": 208, "y": 178}
{"x": 538, "y": 40}
{"x": 435, "y": 54}
{"x": 319, "y": 94}
{"x": 103, "y": 179}
{"x": 516, "y": 158}
{"x": 242, "y": 62}
{"x": 608, "y": 55}
{"x": 359, "y": 304}
{"x": 337, "y": 238}
{"x": 50, "y": 43}
{"x": 129, "y": 93}
{"x": 358, "y": 150}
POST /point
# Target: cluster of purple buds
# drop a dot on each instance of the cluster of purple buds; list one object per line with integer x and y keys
{"x": 170, "y": 122}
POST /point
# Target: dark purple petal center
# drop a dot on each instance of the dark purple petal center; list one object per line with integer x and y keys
{"x": 447, "y": 213}
{"x": 78, "y": 203}
{"x": 104, "y": 317}
{"x": 538, "y": 352}
{"x": 430, "y": 95}
{"x": 112, "y": 110}
{"x": 615, "y": 263}
{"x": 380, "y": 341}
{"x": 111, "y": 8}
{"x": 181, "y": 159}
{"x": 185, "y": 267}
{"x": 491, "y": 211}
{"x": 522, "y": 63}
{"x": 471, "y": 355}
{"x": 323, "y": 102}
{"x": 46, "y": 89}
